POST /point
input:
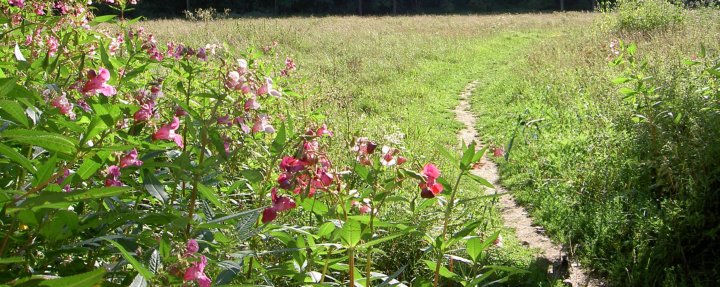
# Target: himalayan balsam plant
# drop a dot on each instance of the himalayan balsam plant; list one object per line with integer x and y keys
{"x": 127, "y": 161}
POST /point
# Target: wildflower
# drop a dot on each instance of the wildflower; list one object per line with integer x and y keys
{"x": 389, "y": 156}
{"x": 614, "y": 44}
{"x": 498, "y": 241}
{"x": 498, "y": 152}
{"x": 130, "y": 159}
{"x": 279, "y": 204}
{"x": 252, "y": 104}
{"x": 61, "y": 179}
{"x": 179, "y": 111}
{"x": 97, "y": 83}
{"x": 289, "y": 66}
{"x": 291, "y": 164}
{"x": 364, "y": 148}
{"x": 285, "y": 181}
{"x": 66, "y": 108}
{"x": 224, "y": 120}
{"x": 201, "y": 54}
{"x": 243, "y": 126}
{"x": 191, "y": 248}
{"x": 242, "y": 66}
{"x": 363, "y": 207}
{"x": 167, "y": 132}
{"x": 233, "y": 80}
{"x": 323, "y": 131}
{"x": 262, "y": 124}
{"x": 115, "y": 44}
{"x": 113, "y": 176}
{"x": 267, "y": 88}
{"x": 430, "y": 188}
{"x": 52, "y": 45}
{"x": 145, "y": 112}
{"x": 196, "y": 272}
{"x": 17, "y": 3}
{"x": 39, "y": 8}
{"x": 401, "y": 160}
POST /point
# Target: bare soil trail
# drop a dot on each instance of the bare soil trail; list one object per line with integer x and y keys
{"x": 515, "y": 216}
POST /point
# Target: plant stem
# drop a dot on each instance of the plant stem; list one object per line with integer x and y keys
{"x": 351, "y": 266}
{"x": 448, "y": 213}
{"x": 327, "y": 264}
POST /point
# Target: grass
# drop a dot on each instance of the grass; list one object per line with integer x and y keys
{"x": 631, "y": 197}
{"x": 578, "y": 160}
{"x": 393, "y": 79}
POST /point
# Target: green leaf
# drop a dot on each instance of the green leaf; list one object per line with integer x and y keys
{"x": 467, "y": 157}
{"x": 627, "y": 91}
{"x": 209, "y": 194}
{"x": 153, "y": 186}
{"x": 89, "y": 279}
{"x": 363, "y": 172}
{"x": 326, "y": 229}
{"x": 18, "y": 158}
{"x": 10, "y": 260}
{"x": 90, "y": 166}
{"x": 350, "y": 233}
{"x": 49, "y": 141}
{"x": 14, "y": 111}
{"x": 61, "y": 199}
{"x": 101, "y": 19}
{"x": 383, "y": 239}
{"x": 479, "y": 154}
{"x": 137, "y": 265}
{"x": 316, "y": 206}
{"x": 444, "y": 272}
{"x": 279, "y": 143}
{"x": 480, "y": 180}
{"x": 475, "y": 246}
{"x": 620, "y": 80}
{"x": 45, "y": 171}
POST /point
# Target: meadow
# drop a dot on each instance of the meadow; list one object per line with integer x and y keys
{"x": 323, "y": 151}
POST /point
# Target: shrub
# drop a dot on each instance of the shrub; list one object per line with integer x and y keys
{"x": 646, "y": 15}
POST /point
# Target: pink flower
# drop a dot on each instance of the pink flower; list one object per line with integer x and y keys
{"x": 363, "y": 207}
{"x": 389, "y": 158}
{"x": 62, "y": 178}
{"x": 242, "y": 66}
{"x": 130, "y": 159}
{"x": 167, "y": 132}
{"x": 323, "y": 131}
{"x": 201, "y": 54}
{"x": 498, "y": 152}
{"x": 224, "y": 120}
{"x": 267, "y": 88}
{"x": 97, "y": 83}
{"x": 52, "y": 44}
{"x": 65, "y": 107}
{"x": 285, "y": 181}
{"x": 39, "y": 9}
{"x": 252, "y": 104}
{"x": 145, "y": 112}
{"x": 191, "y": 248}
{"x": 401, "y": 160}
{"x": 233, "y": 80}
{"x": 262, "y": 124}
{"x": 430, "y": 188}
{"x": 17, "y": 3}
{"x": 113, "y": 176}
{"x": 291, "y": 164}
{"x": 279, "y": 204}
{"x": 243, "y": 126}
{"x": 196, "y": 272}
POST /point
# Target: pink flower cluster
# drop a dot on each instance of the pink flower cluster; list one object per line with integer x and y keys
{"x": 196, "y": 272}
{"x": 113, "y": 172}
{"x": 305, "y": 173}
{"x": 430, "y": 188}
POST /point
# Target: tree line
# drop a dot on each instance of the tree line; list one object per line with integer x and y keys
{"x": 174, "y": 8}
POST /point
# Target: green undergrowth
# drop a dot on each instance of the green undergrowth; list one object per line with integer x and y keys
{"x": 614, "y": 149}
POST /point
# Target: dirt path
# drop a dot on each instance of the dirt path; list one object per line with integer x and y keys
{"x": 514, "y": 215}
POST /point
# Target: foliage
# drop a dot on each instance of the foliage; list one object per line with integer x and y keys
{"x": 619, "y": 160}
{"x": 645, "y": 15}
{"x": 131, "y": 163}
